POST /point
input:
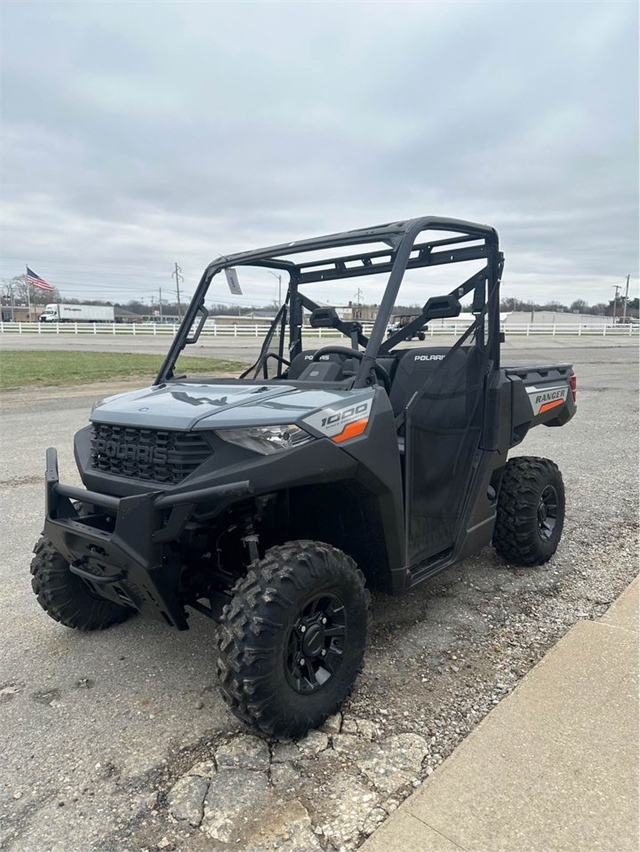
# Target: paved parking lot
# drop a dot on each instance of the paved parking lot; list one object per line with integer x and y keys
{"x": 97, "y": 729}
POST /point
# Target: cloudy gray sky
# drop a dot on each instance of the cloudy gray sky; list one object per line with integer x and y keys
{"x": 139, "y": 134}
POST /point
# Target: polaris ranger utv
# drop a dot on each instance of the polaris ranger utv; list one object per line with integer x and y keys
{"x": 275, "y": 501}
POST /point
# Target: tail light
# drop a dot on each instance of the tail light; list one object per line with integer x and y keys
{"x": 573, "y": 385}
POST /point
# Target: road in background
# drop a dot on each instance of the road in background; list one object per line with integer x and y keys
{"x": 93, "y": 723}
{"x": 515, "y": 349}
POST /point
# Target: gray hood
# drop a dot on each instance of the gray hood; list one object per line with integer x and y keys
{"x": 186, "y": 406}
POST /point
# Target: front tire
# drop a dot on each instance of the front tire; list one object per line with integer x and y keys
{"x": 66, "y": 597}
{"x": 531, "y": 509}
{"x": 293, "y": 638}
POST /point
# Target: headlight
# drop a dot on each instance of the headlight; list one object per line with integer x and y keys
{"x": 266, "y": 439}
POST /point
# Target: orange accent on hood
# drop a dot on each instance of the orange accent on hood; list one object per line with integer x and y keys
{"x": 351, "y": 430}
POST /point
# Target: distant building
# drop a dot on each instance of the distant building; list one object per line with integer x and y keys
{"x": 123, "y": 315}
{"x": 363, "y": 313}
{"x": 256, "y": 318}
{"x": 398, "y": 313}
{"x": 551, "y": 317}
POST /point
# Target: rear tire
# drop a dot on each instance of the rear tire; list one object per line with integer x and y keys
{"x": 293, "y": 638}
{"x": 66, "y": 597}
{"x": 531, "y": 509}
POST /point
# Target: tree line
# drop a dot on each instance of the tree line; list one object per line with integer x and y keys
{"x": 579, "y": 306}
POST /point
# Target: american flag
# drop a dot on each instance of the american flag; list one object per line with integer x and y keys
{"x": 38, "y": 282}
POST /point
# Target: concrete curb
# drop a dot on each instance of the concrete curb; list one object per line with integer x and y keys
{"x": 554, "y": 768}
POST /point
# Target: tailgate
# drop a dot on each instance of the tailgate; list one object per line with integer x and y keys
{"x": 542, "y": 394}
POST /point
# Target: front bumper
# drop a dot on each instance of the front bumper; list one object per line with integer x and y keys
{"x": 118, "y": 544}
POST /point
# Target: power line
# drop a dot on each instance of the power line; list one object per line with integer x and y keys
{"x": 88, "y": 285}
{"x": 89, "y": 267}
{"x": 106, "y": 289}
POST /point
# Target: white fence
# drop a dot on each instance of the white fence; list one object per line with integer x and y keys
{"x": 259, "y": 329}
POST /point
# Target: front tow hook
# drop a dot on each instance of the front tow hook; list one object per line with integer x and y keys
{"x": 99, "y": 580}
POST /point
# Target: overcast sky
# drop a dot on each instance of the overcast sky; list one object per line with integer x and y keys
{"x": 139, "y": 134}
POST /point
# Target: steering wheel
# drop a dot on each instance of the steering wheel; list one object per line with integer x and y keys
{"x": 380, "y": 371}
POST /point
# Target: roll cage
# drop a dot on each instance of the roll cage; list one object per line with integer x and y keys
{"x": 471, "y": 242}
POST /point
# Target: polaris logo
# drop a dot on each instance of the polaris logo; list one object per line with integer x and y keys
{"x": 429, "y": 357}
{"x": 131, "y": 452}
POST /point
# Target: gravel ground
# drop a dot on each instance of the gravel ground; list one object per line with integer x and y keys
{"x": 120, "y": 742}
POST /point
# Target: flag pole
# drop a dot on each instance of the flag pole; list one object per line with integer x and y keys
{"x": 28, "y": 293}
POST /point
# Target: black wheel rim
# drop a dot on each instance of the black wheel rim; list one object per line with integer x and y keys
{"x": 547, "y": 512}
{"x": 316, "y": 644}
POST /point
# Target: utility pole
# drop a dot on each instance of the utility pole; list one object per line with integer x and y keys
{"x": 160, "y": 294}
{"x": 279, "y": 277}
{"x": 355, "y": 314}
{"x": 178, "y": 278}
{"x": 626, "y": 299}
{"x": 616, "y": 287}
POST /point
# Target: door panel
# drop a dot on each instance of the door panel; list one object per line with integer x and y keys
{"x": 443, "y": 430}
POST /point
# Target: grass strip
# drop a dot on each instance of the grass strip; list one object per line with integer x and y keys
{"x": 46, "y": 368}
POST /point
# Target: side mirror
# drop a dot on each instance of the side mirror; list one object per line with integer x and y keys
{"x": 198, "y": 324}
{"x": 439, "y": 307}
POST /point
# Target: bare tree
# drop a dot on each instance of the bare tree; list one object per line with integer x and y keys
{"x": 24, "y": 293}
{"x": 579, "y": 306}
{"x": 599, "y": 309}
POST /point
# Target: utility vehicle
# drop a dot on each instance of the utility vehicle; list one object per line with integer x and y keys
{"x": 404, "y": 320}
{"x": 275, "y": 501}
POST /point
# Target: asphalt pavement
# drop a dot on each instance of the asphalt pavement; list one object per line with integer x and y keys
{"x": 247, "y": 348}
{"x": 93, "y": 725}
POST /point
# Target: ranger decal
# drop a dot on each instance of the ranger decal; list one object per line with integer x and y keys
{"x": 544, "y": 399}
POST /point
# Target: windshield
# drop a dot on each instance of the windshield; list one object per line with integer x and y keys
{"x": 373, "y": 277}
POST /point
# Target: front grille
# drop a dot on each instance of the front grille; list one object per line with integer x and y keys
{"x": 161, "y": 456}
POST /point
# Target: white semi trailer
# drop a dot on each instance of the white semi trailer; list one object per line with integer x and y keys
{"x": 78, "y": 313}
